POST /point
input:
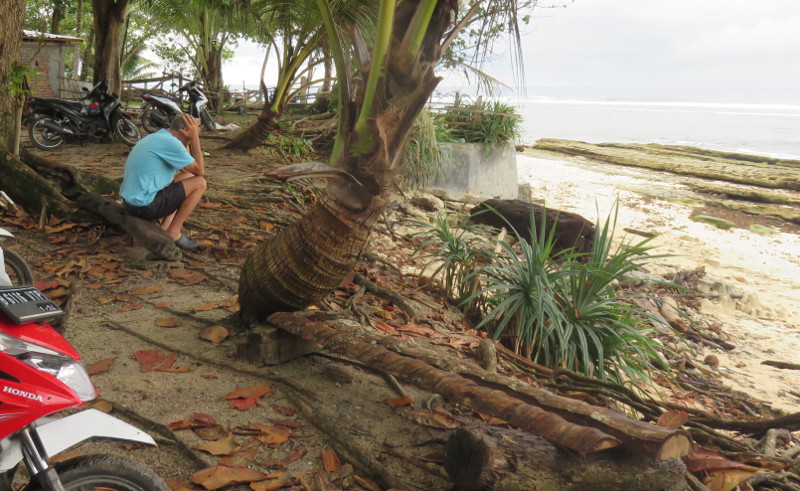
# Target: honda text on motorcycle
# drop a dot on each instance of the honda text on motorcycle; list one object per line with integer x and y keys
{"x": 97, "y": 115}
{"x": 159, "y": 110}
{"x": 41, "y": 375}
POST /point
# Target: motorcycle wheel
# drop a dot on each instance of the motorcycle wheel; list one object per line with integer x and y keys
{"x": 106, "y": 473}
{"x": 42, "y": 136}
{"x": 149, "y": 122}
{"x": 126, "y": 130}
{"x": 17, "y": 269}
{"x": 207, "y": 120}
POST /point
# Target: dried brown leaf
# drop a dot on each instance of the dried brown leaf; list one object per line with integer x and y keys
{"x": 331, "y": 461}
{"x": 101, "y": 366}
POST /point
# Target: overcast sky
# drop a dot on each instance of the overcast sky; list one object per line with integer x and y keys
{"x": 643, "y": 43}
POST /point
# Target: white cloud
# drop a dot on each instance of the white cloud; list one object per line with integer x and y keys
{"x": 764, "y": 39}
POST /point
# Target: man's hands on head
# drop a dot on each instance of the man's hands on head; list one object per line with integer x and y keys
{"x": 192, "y": 129}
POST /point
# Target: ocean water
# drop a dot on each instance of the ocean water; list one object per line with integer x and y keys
{"x": 759, "y": 123}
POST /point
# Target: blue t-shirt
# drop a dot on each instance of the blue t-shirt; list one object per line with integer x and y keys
{"x": 151, "y": 167}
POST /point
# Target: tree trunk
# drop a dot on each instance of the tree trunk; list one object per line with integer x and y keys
{"x": 87, "y": 55}
{"x": 306, "y": 261}
{"x": 144, "y": 233}
{"x": 57, "y": 17}
{"x": 11, "y": 11}
{"x": 30, "y": 190}
{"x": 504, "y": 460}
{"x": 256, "y": 134}
{"x": 642, "y": 436}
{"x": 486, "y": 395}
{"x": 108, "y": 19}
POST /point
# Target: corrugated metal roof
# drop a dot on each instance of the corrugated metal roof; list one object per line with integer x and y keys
{"x": 35, "y": 35}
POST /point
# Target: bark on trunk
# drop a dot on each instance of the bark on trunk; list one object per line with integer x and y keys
{"x": 307, "y": 260}
{"x": 11, "y": 11}
{"x": 454, "y": 388}
{"x": 108, "y": 19}
{"x": 304, "y": 261}
{"x": 30, "y": 190}
{"x": 144, "y": 233}
{"x": 634, "y": 434}
{"x": 256, "y": 134}
{"x": 503, "y": 460}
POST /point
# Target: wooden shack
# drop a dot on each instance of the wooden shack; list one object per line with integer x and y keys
{"x": 46, "y": 54}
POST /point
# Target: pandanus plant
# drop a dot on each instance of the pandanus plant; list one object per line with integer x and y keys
{"x": 308, "y": 259}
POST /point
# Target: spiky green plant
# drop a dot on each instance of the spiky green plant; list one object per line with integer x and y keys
{"x": 456, "y": 249}
{"x": 490, "y": 122}
{"x": 562, "y": 309}
{"x": 422, "y": 160}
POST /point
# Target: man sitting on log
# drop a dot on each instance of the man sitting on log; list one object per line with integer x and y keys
{"x": 163, "y": 178}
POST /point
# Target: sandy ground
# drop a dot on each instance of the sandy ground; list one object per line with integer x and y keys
{"x": 760, "y": 272}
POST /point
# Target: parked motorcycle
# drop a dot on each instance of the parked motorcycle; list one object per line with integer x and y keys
{"x": 159, "y": 110}
{"x": 13, "y": 269}
{"x": 98, "y": 114}
{"x": 41, "y": 374}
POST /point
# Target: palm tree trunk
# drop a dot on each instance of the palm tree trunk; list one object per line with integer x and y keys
{"x": 306, "y": 261}
{"x": 256, "y": 134}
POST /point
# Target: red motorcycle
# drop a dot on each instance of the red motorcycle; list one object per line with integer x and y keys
{"x": 41, "y": 374}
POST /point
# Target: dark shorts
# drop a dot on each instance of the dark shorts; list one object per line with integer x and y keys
{"x": 164, "y": 204}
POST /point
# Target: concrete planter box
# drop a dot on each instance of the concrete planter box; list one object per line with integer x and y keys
{"x": 478, "y": 170}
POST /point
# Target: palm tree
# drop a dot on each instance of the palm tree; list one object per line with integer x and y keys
{"x": 305, "y": 261}
{"x": 207, "y": 26}
{"x": 296, "y": 33}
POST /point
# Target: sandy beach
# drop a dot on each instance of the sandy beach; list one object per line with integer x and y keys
{"x": 758, "y": 276}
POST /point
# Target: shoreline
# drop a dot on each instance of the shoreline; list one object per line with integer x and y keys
{"x": 756, "y": 277}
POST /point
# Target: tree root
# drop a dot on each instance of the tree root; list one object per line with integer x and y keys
{"x": 208, "y": 361}
{"x": 393, "y": 297}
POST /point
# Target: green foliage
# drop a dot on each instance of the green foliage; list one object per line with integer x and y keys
{"x": 481, "y": 121}
{"x": 290, "y": 147}
{"x": 422, "y": 160}
{"x": 562, "y": 309}
{"x": 456, "y": 250}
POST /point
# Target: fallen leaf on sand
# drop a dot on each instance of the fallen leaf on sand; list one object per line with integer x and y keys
{"x": 274, "y": 481}
{"x": 101, "y": 366}
{"x": 214, "y": 334}
{"x": 147, "y": 290}
{"x": 220, "y": 476}
{"x": 223, "y": 446}
{"x": 168, "y": 322}
{"x": 331, "y": 461}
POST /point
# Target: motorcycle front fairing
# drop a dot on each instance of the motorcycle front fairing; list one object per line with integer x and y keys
{"x": 57, "y": 435}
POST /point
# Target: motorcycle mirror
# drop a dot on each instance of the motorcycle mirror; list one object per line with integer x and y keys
{"x": 84, "y": 89}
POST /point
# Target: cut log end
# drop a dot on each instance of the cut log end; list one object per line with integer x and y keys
{"x": 676, "y": 445}
{"x": 468, "y": 460}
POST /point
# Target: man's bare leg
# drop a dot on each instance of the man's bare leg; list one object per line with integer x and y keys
{"x": 194, "y": 187}
{"x": 167, "y": 220}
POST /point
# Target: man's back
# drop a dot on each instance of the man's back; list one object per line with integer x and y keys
{"x": 151, "y": 166}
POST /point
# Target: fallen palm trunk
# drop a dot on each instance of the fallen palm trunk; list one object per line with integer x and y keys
{"x": 504, "y": 460}
{"x": 516, "y": 408}
{"x": 649, "y": 438}
{"x": 147, "y": 234}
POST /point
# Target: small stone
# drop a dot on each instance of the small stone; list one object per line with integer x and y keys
{"x": 428, "y": 202}
{"x": 717, "y": 222}
{"x": 712, "y": 361}
{"x": 762, "y": 230}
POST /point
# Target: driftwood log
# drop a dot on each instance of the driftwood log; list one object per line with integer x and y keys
{"x": 524, "y": 407}
{"x": 569, "y": 229}
{"x": 482, "y": 458}
{"x": 144, "y": 233}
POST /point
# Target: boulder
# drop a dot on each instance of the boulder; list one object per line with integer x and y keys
{"x": 572, "y": 230}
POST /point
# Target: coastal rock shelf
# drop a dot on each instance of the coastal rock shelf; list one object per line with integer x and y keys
{"x": 752, "y": 184}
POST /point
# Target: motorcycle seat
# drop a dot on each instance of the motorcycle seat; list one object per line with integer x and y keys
{"x": 56, "y": 100}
